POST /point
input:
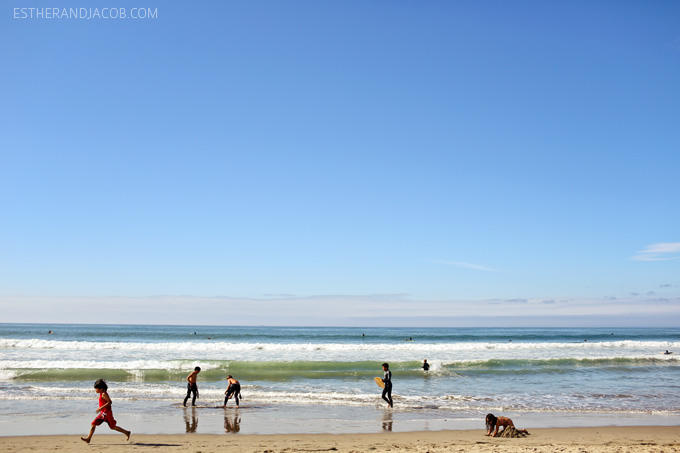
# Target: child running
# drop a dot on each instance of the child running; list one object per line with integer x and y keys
{"x": 192, "y": 387}
{"x": 233, "y": 389}
{"x": 105, "y": 412}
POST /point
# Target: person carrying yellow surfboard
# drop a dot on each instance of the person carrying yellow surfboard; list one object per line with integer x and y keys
{"x": 387, "y": 380}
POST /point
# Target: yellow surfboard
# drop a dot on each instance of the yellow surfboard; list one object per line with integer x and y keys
{"x": 379, "y": 381}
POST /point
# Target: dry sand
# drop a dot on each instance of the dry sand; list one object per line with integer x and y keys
{"x": 638, "y": 439}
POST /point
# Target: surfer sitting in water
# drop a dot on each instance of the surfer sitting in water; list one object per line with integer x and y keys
{"x": 494, "y": 422}
{"x": 233, "y": 389}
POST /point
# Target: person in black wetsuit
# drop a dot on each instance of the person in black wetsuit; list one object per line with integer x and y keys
{"x": 426, "y": 366}
{"x": 387, "y": 380}
{"x": 234, "y": 389}
{"x": 192, "y": 387}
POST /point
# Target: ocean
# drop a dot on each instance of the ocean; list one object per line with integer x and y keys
{"x": 320, "y": 379}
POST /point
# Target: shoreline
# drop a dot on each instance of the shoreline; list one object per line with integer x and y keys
{"x": 643, "y": 439}
{"x": 278, "y": 419}
{"x": 297, "y": 419}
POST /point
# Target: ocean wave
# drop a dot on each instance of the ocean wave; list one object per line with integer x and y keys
{"x": 636, "y": 359}
{"x": 289, "y": 371}
{"x": 202, "y": 346}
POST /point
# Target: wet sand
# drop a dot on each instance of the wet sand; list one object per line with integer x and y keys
{"x": 628, "y": 439}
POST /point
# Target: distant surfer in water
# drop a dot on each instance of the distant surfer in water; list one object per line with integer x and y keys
{"x": 233, "y": 389}
{"x": 387, "y": 380}
{"x": 426, "y": 366}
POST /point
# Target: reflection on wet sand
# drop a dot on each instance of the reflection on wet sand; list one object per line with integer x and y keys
{"x": 190, "y": 420}
{"x": 232, "y": 423}
{"x": 387, "y": 421}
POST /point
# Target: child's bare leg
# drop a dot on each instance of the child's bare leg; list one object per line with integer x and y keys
{"x": 89, "y": 436}
{"x": 124, "y": 431}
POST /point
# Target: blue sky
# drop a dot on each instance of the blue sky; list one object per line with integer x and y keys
{"x": 343, "y": 162}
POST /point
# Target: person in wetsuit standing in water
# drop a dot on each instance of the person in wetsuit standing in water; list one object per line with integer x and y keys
{"x": 192, "y": 388}
{"x": 387, "y": 380}
{"x": 234, "y": 389}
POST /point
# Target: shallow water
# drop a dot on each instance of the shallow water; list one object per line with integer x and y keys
{"x": 321, "y": 379}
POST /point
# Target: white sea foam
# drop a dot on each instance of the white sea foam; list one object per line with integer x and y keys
{"x": 6, "y": 375}
{"x": 11, "y": 368}
{"x": 276, "y": 347}
{"x": 131, "y": 392}
{"x": 127, "y": 365}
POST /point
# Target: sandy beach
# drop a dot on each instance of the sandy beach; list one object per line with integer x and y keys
{"x": 638, "y": 439}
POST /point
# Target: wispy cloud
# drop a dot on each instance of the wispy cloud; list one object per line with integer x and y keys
{"x": 466, "y": 265}
{"x": 345, "y": 310}
{"x": 659, "y": 252}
